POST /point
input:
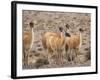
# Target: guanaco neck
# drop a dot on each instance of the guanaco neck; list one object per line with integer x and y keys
{"x": 32, "y": 37}
{"x": 80, "y": 34}
{"x": 61, "y": 34}
{"x": 32, "y": 32}
{"x": 62, "y": 37}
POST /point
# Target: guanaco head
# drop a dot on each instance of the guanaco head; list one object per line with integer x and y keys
{"x": 67, "y": 26}
{"x": 31, "y": 24}
{"x": 67, "y": 34}
{"x": 60, "y": 29}
{"x": 81, "y": 30}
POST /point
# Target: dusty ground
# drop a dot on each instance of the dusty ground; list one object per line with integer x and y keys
{"x": 50, "y": 21}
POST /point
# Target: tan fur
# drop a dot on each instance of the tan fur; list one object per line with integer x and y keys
{"x": 27, "y": 39}
{"x": 73, "y": 43}
{"x": 53, "y": 42}
{"x": 46, "y": 36}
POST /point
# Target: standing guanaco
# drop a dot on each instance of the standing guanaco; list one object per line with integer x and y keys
{"x": 28, "y": 40}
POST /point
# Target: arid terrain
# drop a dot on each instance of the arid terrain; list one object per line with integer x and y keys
{"x": 50, "y": 21}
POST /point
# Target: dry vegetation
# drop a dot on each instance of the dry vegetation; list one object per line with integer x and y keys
{"x": 50, "y": 21}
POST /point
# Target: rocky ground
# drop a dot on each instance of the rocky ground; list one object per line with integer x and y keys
{"x": 50, "y": 21}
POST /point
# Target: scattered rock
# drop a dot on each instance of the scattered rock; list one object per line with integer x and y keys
{"x": 38, "y": 45}
{"x": 86, "y": 49}
{"x": 39, "y": 49}
{"x": 40, "y": 62}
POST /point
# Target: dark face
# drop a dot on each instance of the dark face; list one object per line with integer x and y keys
{"x": 31, "y": 24}
{"x": 67, "y": 34}
{"x": 60, "y": 29}
{"x": 81, "y": 30}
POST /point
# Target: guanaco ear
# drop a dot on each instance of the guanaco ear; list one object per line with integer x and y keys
{"x": 31, "y": 24}
{"x": 60, "y": 29}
